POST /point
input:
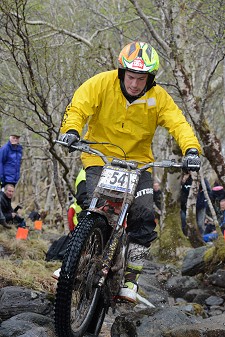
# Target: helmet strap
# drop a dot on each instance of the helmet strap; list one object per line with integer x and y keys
{"x": 150, "y": 82}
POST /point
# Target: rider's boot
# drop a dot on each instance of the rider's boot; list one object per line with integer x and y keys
{"x": 135, "y": 262}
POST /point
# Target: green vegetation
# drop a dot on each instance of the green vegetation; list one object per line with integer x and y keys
{"x": 23, "y": 262}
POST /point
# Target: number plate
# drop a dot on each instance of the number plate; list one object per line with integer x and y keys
{"x": 117, "y": 179}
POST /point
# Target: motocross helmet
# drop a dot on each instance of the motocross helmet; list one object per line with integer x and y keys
{"x": 139, "y": 57}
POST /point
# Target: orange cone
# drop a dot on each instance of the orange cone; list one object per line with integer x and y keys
{"x": 22, "y": 233}
{"x": 38, "y": 225}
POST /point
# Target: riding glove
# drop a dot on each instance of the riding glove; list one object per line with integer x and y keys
{"x": 191, "y": 160}
{"x": 71, "y": 138}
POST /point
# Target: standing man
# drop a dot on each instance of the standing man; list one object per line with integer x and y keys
{"x": 10, "y": 160}
{"x": 123, "y": 108}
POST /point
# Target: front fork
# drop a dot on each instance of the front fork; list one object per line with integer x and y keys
{"x": 118, "y": 222}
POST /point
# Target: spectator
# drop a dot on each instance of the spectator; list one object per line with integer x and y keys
{"x": 210, "y": 233}
{"x": 222, "y": 215}
{"x": 78, "y": 204}
{"x": 7, "y": 213}
{"x": 218, "y": 193}
{"x": 201, "y": 202}
{"x": 10, "y": 160}
{"x": 157, "y": 194}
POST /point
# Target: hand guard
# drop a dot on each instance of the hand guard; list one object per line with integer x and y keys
{"x": 191, "y": 160}
{"x": 71, "y": 138}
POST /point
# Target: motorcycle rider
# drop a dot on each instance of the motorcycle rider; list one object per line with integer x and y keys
{"x": 123, "y": 107}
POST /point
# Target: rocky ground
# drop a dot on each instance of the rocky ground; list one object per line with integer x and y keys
{"x": 184, "y": 305}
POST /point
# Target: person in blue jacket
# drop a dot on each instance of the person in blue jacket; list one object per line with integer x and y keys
{"x": 10, "y": 160}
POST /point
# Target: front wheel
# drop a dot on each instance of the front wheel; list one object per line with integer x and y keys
{"x": 79, "y": 303}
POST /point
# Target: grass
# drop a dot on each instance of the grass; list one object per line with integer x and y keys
{"x": 22, "y": 262}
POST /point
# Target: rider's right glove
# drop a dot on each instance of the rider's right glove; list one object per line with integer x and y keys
{"x": 71, "y": 138}
{"x": 191, "y": 160}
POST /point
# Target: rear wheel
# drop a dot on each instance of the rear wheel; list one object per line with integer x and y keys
{"x": 79, "y": 303}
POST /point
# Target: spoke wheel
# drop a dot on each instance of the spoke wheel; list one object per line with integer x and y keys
{"x": 78, "y": 298}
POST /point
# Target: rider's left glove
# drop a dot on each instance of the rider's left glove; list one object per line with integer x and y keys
{"x": 71, "y": 138}
{"x": 191, "y": 160}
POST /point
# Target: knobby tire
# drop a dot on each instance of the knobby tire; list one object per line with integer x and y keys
{"x": 79, "y": 304}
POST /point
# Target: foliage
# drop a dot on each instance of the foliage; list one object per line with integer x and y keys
{"x": 215, "y": 255}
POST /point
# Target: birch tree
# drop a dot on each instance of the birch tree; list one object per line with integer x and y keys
{"x": 191, "y": 40}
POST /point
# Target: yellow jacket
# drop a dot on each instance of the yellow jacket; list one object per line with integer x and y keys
{"x": 111, "y": 118}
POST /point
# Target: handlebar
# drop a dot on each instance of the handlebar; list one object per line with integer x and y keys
{"x": 83, "y": 146}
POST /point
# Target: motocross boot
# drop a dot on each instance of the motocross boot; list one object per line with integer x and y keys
{"x": 135, "y": 261}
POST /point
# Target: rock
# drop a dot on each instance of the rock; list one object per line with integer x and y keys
{"x": 27, "y": 325}
{"x": 14, "y": 300}
{"x": 149, "y": 324}
{"x": 193, "y": 262}
{"x": 210, "y": 327}
{"x": 178, "y": 286}
{"x": 183, "y": 308}
{"x": 214, "y": 300}
{"x": 197, "y": 295}
{"x": 217, "y": 278}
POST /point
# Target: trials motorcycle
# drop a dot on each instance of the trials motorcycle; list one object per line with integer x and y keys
{"x": 92, "y": 270}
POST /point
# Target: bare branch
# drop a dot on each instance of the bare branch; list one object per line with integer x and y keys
{"x": 210, "y": 73}
{"x": 198, "y": 5}
{"x": 146, "y": 20}
{"x": 59, "y": 30}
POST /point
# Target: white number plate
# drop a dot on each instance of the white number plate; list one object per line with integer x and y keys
{"x": 117, "y": 179}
